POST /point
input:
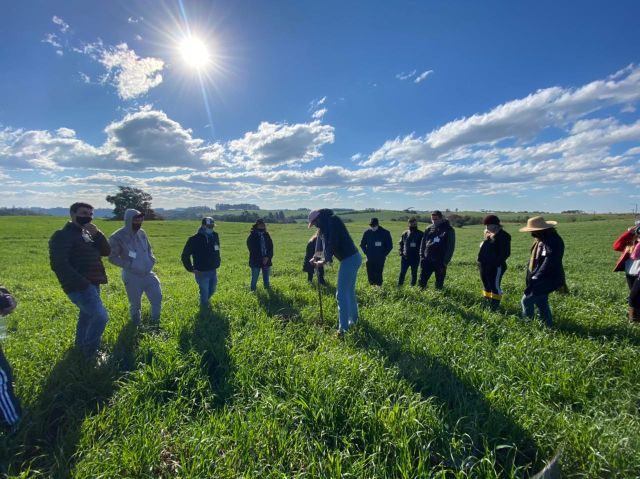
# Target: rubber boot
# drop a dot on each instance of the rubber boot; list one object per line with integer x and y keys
{"x": 634, "y": 314}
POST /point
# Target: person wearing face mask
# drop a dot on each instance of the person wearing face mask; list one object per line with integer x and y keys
{"x": 131, "y": 251}
{"x": 628, "y": 243}
{"x": 75, "y": 254}
{"x": 410, "y": 252}
{"x": 436, "y": 250}
{"x": 376, "y": 244}
{"x": 204, "y": 249}
{"x": 492, "y": 259}
{"x": 545, "y": 273}
{"x": 260, "y": 249}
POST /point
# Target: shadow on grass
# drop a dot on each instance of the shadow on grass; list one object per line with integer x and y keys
{"x": 466, "y": 411}
{"x": 75, "y": 389}
{"x": 209, "y": 336}
{"x": 278, "y": 306}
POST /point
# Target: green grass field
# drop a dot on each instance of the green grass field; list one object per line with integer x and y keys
{"x": 429, "y": 384}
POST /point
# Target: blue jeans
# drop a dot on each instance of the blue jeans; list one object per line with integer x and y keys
{"x": 346, "y": 291}
{"x": 207, "y": 282}
{"x": 255, "y": 272}
{"x": 542, "y": 302}
{"x": 92, "y": 319}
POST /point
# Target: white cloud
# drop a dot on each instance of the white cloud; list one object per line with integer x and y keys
{"x": 405, "y": 76}
{"x": 64, "y": 27}
{"x": 317, "y": 115}
{"x": 276, "y": 144}
{"x": 422, "y": 76}
{"x": 139, "y": 38}
{"x": 133, "y": 76}
{"x": 85, "y": 78}
{"x": 316, "y": 103}
{"x": 135, "y": 19}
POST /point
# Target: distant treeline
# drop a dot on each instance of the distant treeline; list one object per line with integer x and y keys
{"x": 239, "y": 206}
{"x": 252, "y": 216}
{"x": 18, "y": 212}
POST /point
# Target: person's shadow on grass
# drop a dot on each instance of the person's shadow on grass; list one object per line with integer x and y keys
{"x": 75, "y": 389}
{"x": 209, "y": 335}
{"x": 465, "y": 410}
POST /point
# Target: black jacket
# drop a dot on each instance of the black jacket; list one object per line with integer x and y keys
{"x": 438, "y": 243}
{"x": 376, "y": 245}
{"x": 75, "y": 257}
{"x": 410, "y": 245}
{"x": 310, "y": 253}
{"x": 337, "y": 240}
{"x": 255, "y": 250}
{"x": 494, "y": 252}
{"x": 205, "y": 251}
{"x": 548, "y": 273}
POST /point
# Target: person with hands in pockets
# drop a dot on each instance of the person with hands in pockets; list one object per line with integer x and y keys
{"x": 410, "y": 251}
{"x": 376, "y": 244}
{"x": 75, "y": 254}
{"x": 131, "y": 251}
{"x": 201, "y": 256}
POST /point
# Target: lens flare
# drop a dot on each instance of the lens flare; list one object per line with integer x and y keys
{"x": 194, "y": 52}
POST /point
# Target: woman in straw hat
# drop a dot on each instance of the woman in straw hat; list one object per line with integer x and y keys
{"x": 545, "y": 273}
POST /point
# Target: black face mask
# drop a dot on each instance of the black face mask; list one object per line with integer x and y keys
{"x": 413, "y": 227}
{"x": 537, "y": 234}
{"x": 136, "y": 226}
{"x": 83, "y": 220}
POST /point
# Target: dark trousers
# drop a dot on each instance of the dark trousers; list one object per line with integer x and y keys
{"x": 405, "y": 264}
{"x": 320, "y": 275}
{"x": 374, "y": 272}
{"x": 427, "y": 268}
{"x": 541, "y": 301}
{"x": 10, "y": 411}
{"x": 491, "y": 277}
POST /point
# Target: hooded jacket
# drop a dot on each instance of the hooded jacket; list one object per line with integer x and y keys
{"x": 75, "y": 257}
{"x": 495, "y": 251}
{"x": 545, "y": 272}
{"x": 410, "y": 245}
{"x": 337, "y": 240}
{"x": 376, "y": 245}
{"x": 255, "y": 248}
{"x": 438, "y": 243}
{"x": 205, "y": 250}
{"x": 130, "y": 249}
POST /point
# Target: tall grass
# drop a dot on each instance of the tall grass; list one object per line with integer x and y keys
{"x": 429, "y": 384}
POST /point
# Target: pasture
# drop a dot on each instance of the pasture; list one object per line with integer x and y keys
{"x": 428, "y": 384}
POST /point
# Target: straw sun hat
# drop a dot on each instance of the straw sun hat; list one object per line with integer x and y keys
{"x": 537, "y": 223}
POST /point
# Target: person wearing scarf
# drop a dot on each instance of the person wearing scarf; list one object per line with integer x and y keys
{"x": 260, "y": 249}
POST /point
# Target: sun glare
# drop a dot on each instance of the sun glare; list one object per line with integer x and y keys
{"x": 194, "y": 52}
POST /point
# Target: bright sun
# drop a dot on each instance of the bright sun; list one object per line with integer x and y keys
{"x": 194, "y": 52}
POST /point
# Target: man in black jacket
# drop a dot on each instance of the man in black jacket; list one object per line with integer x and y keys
{"x": 75, "y": 254}
{"x": 410, "y": 252}
{"x": 436, "y": 250}
{"x": 204, "y": 248}
{"x": 376, "y": 244}
{"x": 545, "y": 272}
{"x": 492, "y": 259}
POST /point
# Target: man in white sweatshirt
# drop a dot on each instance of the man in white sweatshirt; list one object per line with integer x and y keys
{"x": 130, "y": 249}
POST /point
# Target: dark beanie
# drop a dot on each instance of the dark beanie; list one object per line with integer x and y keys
{"x": 491, "y": 220}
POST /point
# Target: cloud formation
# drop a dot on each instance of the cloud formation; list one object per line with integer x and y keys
{"x": 423, "y": 76}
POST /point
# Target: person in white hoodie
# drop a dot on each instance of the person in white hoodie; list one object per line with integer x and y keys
{"x": 130, "y": 250}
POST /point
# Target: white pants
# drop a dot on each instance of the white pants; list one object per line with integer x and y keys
{"x": 135, "y": 286}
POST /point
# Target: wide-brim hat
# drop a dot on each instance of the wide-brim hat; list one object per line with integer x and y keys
{"x": 537, "y": 223}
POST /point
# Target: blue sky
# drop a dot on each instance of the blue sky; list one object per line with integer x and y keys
{"x": 431, "y": 104}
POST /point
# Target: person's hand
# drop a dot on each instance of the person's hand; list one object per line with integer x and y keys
{"x": 90, "y": 228}
{"x": 195, "y": 271}
{"x": 265, "y": 261}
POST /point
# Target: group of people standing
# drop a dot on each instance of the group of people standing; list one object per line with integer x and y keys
{"x": 76, "y": 253}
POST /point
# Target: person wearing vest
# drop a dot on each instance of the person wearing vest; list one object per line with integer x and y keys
{"x": 545, "y": 272}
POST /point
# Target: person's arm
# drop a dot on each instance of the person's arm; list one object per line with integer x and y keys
{"x": 269, "y": 246}
{"x": 115, "y": 257}
{"x": 186, "y": 256}
{"x": 7, "y": 302}
{"x": 100, "y": 242}
{"x": 388, "y": 244}
{"x": 400, "y": 244}
{"x": 554, "y": 250}
{"x": 59, "y": 252}
{"x": 423, "y": 244}
{"x": 363, "y": 242}
{"x": 451, "y": 246}
{"x": 503, "y": 248}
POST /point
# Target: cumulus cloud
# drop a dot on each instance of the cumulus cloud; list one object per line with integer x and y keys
{"x": 131, "y": 75}
{"x": 282, "y": 144}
